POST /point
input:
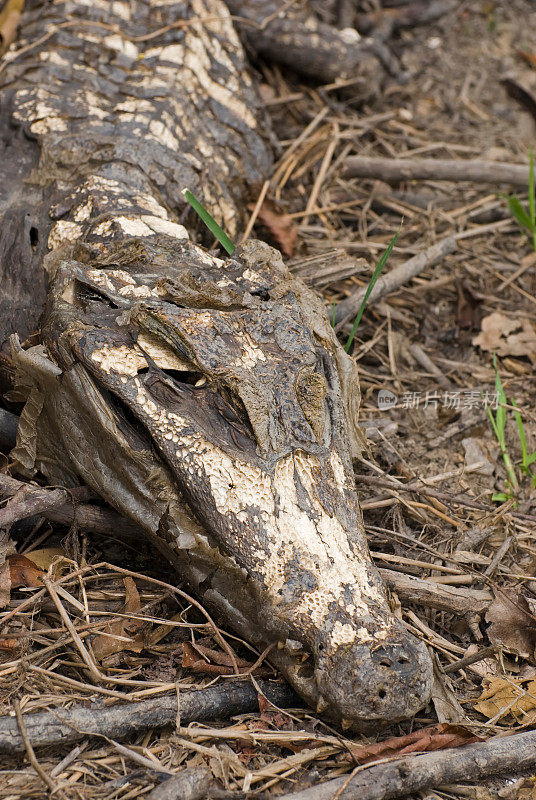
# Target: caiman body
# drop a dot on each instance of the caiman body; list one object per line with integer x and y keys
{"x": 207, "y": 399}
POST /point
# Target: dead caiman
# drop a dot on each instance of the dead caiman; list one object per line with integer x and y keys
{"x": 207, "y": 399}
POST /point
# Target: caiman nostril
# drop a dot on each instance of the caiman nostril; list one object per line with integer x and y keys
{"x": 392, "y": 658}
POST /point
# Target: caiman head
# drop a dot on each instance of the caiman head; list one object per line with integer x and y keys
{"x": 226, "y": 380}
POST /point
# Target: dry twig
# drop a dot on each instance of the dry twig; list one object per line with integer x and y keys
{"x": 394, "y": 279}
{"x": 394, "y": 170}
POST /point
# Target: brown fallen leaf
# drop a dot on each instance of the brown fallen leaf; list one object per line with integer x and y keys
{"x": 192, "y": 659}
{"x": 9, "y": 21}
{"x": 529, "y": 57}
{"x": 7, "y": 548}
{"x": 5, "y": 584}
{"x": 468, "y": 308}
{"x": 199, "y": 658}
{"x": 507, "y": 337}
{"x": 509, "y": 698}
{"x": 446, "y": 705}
{"x": 219, "y": 657}
{"x": 44, "y": 557}
{"x": 24, "y": 572}
{"x": 125, "y": 634}
{"x": 433, "y": 737}
{"x": 271, "y": 717}
{"x": 512, "y": 626}
{"x": 279, "y": 224}
{"x": 10, "y": 644}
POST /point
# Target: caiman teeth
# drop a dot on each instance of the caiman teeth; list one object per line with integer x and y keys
{"x": 346, "y": 723}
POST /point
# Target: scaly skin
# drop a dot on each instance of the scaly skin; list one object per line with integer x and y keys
{"x": 209, "y": 400}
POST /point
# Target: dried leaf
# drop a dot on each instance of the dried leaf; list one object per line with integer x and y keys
{"x": 481, "y": 451}
{"x": 9, "y": 20}
{"x": 433, "y": 737}
{"x": 45, "y": 556}
{"x": 279, "y": 224}
{"x": 219, "y": 657}
{"x": 512, "y": 626}
{"x": 507, "y": 337}
{"x": 109, "y": 642}
{"x": 508, "y": 698}
{"x": 10, "y": 644}
{"x": 24, "y": 452}
{"x": 271, "y": 717}
{"x": 191, "y": 659}
{"x": 199, "y": 658}
{"x": 5, "y": 584}
{"x": 446, "y": 705}
{"x": 24, "y": 572}
{"x": 468, "y": 310}
{"x": 528, "y": 56}
{"x": 7, "y": 548}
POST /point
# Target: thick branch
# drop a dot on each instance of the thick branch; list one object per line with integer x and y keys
{"x": 416, "y": 773}
{"x": 65, "y": 726}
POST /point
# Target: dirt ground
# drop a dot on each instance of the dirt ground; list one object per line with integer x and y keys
{"x": 434, "y": 461}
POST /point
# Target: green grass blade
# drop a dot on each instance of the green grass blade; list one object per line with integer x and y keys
{"x": 500, "y": 417}
{"x": 527, "y": 459}
{"x": 522, "y": 437}
{"x": 375, "y": 275}
{"x": 532, "y": 199}
{"x": 500, "y": 497}
{"x": 493, "y": 423}
{"x": 518, "y": 212}
{"x": 210, "y": 222}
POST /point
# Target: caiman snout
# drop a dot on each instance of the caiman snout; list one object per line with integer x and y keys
{"x": 389, "y": 681}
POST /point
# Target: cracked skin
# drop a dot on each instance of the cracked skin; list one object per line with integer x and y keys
{"x": 206, "y": 399}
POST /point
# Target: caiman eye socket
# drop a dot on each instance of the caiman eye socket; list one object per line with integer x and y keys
{"x": 85, "y": 295}
{"x": 195, "y": 379}
{"x": 128, "y": 422}
{"x": 261, "y": 292}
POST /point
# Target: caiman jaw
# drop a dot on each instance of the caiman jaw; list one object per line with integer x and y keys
{"x": 239, "y": 382}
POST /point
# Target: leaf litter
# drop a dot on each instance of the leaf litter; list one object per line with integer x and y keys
{"x": 425, "y": 508}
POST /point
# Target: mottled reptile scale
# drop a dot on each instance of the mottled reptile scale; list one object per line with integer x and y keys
{"x": 207, "y": 399}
